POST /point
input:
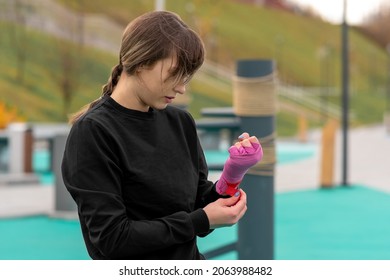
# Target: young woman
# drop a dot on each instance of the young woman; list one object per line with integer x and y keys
{"x": 134, "y": 164}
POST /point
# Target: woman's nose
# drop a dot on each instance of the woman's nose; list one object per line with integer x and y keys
{"x": 180, "y": 88}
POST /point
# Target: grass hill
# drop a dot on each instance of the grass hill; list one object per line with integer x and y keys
{"x": 307, "y": 52}
{"x": 35, "y": 93}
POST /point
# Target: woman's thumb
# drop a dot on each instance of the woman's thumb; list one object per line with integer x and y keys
{"x": 231, "y": 200}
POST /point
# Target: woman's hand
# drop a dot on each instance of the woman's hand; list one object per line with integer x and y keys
{"x": 245, "y": 140}
{"x": 242, "y": 155}
{"x": 226, "y": 211}
{"x": 249, "y": 147}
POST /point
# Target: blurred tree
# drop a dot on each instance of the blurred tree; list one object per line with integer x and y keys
{"x": 8, "y": 115}
{"x": 70, "y": 56}
{"x": 18, "y": 37}
{"x": 376, "y": 26}
{"x": 68, "y": 76}
{"x": 207, "y": 23}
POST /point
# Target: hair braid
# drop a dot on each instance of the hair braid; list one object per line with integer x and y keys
{"x": 113, "y": 80}
{"x": 107, "y": 90}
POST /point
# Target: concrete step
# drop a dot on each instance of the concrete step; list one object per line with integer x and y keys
{"x": 9, "y": 179}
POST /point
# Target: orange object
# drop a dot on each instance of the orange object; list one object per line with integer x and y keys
{"x": 327, "y": 157}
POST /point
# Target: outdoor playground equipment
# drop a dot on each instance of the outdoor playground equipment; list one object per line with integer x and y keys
{"x": 16, "y": 143}
{"x": 254, "y": 108}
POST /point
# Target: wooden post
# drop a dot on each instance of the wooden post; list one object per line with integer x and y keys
{"x": 20, "y": 148}
{"x": 28, "y": 150}
{"x": 386, "y": 121}
{"x": 327, "y": 154}
{"x": 302, "y": 128}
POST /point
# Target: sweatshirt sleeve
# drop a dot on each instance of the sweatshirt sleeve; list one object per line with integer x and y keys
{"x": 92, "y": 175}
{"x": 206, "y": 189}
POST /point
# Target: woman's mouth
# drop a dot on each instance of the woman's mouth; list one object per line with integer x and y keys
{"x": 169, "y": 99}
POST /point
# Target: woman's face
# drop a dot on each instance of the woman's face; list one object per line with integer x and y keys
{"x": 157, "y": 87}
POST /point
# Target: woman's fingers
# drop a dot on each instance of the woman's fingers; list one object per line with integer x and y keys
{"x": 226, "y": 211}
{"x": 238, "y": 145}
{"x": 253, "y": 139}
{"x": 243, "y": 136}
{"x": 246, "y": 143}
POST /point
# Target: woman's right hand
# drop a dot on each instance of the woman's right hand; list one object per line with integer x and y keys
{"x": 226, "y": 211}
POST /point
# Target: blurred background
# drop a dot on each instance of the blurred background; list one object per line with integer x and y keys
{"x": 56, "y": 55}
{"x": 50, "y": 50}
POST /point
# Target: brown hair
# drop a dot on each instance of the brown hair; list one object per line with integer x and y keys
{"x": 151, "y": 37}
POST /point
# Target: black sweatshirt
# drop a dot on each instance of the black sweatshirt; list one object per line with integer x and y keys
{"x": 140, "y": 182}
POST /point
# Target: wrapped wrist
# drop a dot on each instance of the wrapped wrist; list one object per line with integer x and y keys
{"x": 225, "y": 187}
{"x": 238, "y": 163}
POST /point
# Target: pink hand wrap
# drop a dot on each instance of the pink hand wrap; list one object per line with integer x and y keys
{"x": 238, "y": 163}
